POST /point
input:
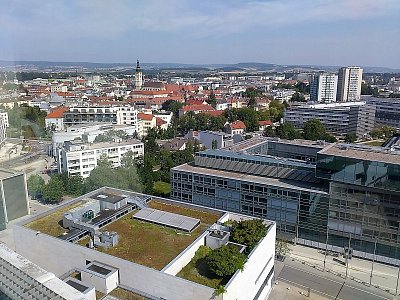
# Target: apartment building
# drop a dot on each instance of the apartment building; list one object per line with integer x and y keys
{"x": 121, "y": 115}
{"x": 338, "y": 118}
{"x": 3, "y": 127}
{"x": 323, "y": 88}
{"x": 77, "y": 158}
{"x": 349, "y": 84}
{"x": 348, "y": 196}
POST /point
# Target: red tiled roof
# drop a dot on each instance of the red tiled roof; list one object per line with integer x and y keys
{"x": 143, "y": 116}
{"x": 238, "y": 125}
{"x": 160, "y": 122}
{"x": 267, "y": 122}
{"x": 196, "y": 101}
{"x": 195, "y": 107}
{"x": 57, "y": 112}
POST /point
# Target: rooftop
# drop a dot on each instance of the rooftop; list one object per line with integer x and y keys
{"x": 364, "y": 152}
{"x": 296, "y": 185}
{"x": 101, "y": 145}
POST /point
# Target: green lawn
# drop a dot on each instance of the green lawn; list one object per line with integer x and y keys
{"x": 374, "y": 143}
{"x": 162, "y": 188}
{"x": 51, "y": 224}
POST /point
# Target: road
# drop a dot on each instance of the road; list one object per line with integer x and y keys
{"x": 325, "y": 284}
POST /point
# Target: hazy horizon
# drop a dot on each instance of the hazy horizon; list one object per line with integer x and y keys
{"x": 319, "y": 32}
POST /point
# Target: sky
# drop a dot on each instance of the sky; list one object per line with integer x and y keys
{"x": 287, "y": 32}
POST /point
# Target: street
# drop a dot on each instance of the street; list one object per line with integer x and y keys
{"x": 325, "y": 284}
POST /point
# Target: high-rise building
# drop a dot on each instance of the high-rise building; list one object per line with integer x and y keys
{"x": 349, "y": 84}
{"x": 138, "y": 77}
{"x": 323, "y": 88}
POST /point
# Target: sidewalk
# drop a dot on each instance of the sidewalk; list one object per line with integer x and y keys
{"x": 10, "y": 150}
{"x": 285, "y": 291}
{"x": 383, "y": 277}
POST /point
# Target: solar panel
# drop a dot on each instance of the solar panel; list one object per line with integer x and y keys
{"x": 167, "y": 219}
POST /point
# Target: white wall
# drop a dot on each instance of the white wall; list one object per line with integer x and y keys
{"x": 59, "y": 257}
{"x": 185, "y": 257}
{"x": 245, "y": 284}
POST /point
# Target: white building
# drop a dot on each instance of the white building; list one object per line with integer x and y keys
{"x": 138, "y": 77}
{"x": 349, "y": 84}
{"x": 3, "y": 127}
{"x": 80, "y": 159}
{"x": 323, "y": 88}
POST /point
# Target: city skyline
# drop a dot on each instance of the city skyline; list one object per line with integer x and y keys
{"x": 279, "y": 32}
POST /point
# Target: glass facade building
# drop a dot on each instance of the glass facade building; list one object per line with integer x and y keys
{"x": 348, "y": 196}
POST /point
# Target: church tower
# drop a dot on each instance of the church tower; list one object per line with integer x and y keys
{"x": 138, "y": 77}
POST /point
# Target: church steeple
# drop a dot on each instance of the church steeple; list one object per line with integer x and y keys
{"x": 138, "y": 76}
{"x": 137, "y": 66}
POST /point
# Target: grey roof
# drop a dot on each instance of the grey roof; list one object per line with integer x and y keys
{"x": 167, "y": 219}
{"x": 288, "y": 184}
{"x": 363, "y": 152}
{"x": 107, "y": 197}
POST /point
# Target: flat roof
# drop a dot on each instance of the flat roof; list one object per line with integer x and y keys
{"x": 294, "y": 185}
{"x": 78, "y": 285}
{"x": 99, "y": 269}
{"x": 107, "y": 197}
{"x": 167, "y": 219}
{"x": 370, "y": 153}
{"x": 101, "y": 145}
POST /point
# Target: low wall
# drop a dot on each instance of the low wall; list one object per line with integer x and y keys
{"x": 246, "y": 284}
{"x": 185, "y": 257}
{"x": 59, "y": 257}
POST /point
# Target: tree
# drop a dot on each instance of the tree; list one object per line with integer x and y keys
{"x": 36, "y": 186}
{"x": 212, "y": 100}
{"x": 173, "y": 106}
{"x": 288, "y": 131}
{"x": 350, "y": 137}
{"x": 54, "y": 190}
{"x": 281, "y": 248}
{"x": 269, "y": 131}
{"x": 315, "y": 130}
{"x": 297, "y": 97}
{"x": 383, "y": 132}
{"x": 225, "y": 260}
{"x": 214, "y": 144}
{"x": 248, "y": 232}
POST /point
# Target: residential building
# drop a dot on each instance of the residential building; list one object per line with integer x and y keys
{"x": 14, "y": 201}
{"x": 237, "y": 127}
{"x": 349, "y": 84}
{"x": 54, "y": 120}
{"x": 196, "y": 109}
{"x": 146, "y": 122}
{"x": 323, "y": 88}
{"x": 166, "y": 236}
{"x": 331, "y": 196}
{"x": 3, "y": 127}
{"x": 264, "y": 124}
{"x": 215, "y": 139}
{"x": 337, "y": 118}
{"x": 77, "y": 158}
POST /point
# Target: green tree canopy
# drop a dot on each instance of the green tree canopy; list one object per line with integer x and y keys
{"x": 350, "y": 137}
{"x": 54, "y": 190}
{"x": 248, "y": 232}
{"x": 315, "y": 130}
{"x": 226, "y": 260}
{"x": 36, "y": 185}
{"x": 288, "y": 131}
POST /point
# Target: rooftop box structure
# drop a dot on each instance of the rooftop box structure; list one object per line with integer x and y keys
{"x": 167, "y": 219}
{"x": 86, "y": 289}
{"x": 104, "y": 278}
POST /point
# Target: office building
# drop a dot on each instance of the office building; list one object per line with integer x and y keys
{"x": 333, "y": 194}
{"x": 323, "y": 88}
{"x": 77, "y": 158}
{"x": 13, "y": 196}
{"x": 157, "y": 238}
{"x": 337, "y": 118}
{"x": 349, "y": 84}
{"x": 387, "y": 111}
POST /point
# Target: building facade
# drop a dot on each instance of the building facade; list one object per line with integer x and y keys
{"x": 337, "y": 118}
{"x": 80, "y": 159}
{"x": 349, "y": 84}
{"x": 387, "y": 111}
{"x": 323, "y": 88}
{"x": 3, "y": 127}
{"x": 349, "y": 195}
{"x": 13, "y": 196}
